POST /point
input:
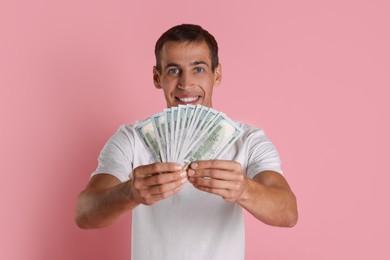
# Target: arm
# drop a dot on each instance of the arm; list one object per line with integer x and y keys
{"x": 267, "y": 197}
{"x": 105, "y": 199}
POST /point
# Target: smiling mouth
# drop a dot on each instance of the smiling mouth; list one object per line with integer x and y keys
{"x": 187, "y": 99}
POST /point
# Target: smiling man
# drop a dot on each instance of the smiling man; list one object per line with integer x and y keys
{"x": 185, "y": 73}
{"x": 193, "y": 214}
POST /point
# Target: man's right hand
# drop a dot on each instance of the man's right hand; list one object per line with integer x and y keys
{"x": 157, "y": 181}
{"x": 106, "y": 199}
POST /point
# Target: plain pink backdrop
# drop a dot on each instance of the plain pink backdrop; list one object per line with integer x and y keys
{"x": 313, "y": 74}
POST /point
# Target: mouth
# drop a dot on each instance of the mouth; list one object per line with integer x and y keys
{"x": 188, "y": 100}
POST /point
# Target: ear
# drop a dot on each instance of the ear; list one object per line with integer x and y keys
{"x": 217, "y": 75}
{"x": 156, "y": 78}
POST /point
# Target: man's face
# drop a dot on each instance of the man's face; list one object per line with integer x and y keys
{"x": 186, "y": 76}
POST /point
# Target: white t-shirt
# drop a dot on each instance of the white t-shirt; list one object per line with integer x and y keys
{"x": 191, "y": 224}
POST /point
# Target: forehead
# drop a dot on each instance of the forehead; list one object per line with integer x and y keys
{"x": 185, "y": 52}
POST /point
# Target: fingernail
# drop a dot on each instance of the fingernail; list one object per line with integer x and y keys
{"x": 183, "y": 174}
{"x": 194, "y": 165}
{"x": 178, "y": 167}
{"x": 184, "y": 180}
{"x": 191, "y": 172}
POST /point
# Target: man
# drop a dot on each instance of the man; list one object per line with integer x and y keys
{"x": 193, "y": 214}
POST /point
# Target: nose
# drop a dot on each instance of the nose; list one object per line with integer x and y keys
{"x": 185, "y": 80}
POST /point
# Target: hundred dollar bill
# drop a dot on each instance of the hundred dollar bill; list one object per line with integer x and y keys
{"x": 191, "y": 126}
{"x": 194, "y": 117}
{"x": 196, "y": 126}
{"x": 173, "y": 129}
{"x": 201, "y": 135}
{"x": 230, "y": 139}
{"x": 210, "y": 116}
{"x": 213, "y": 144}
{"x": 187, "y": 133}
{"x": 158, "y": 121}
{"x": 190, "y": 109}
{"x": 168, "y": 130}
{"x": 209, "y": 119}
{"x": 181, "y": 112}
{"x": 145, "y": 131}
{"x": 201, "y": 118}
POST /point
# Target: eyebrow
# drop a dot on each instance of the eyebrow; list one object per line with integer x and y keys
{"x": 198, "y": 62}
{"x": 172, "y": 65}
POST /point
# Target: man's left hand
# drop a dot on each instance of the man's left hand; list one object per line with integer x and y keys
{"x": 219, "y": 177}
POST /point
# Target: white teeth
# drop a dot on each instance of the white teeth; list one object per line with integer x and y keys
{"x": 188, "y": 99}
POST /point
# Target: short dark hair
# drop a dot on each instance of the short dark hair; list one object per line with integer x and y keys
{"x": 187, "y": 33}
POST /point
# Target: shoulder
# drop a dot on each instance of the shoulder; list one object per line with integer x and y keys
{"x": 261, "y": 153}
{"x": 126, "y": 131}
{"x": 251, "y": 132}
{"x": 123, "y": 139}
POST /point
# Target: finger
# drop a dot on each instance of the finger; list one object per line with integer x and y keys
{"x": 167, "y": 187}
{"x": 164, "y": 178}
{"x": 215, "y": 164}
{"x": 151, "y": 169}
{"x": 220, "y": 192}
{"x": 216, "y": 174}
{"x": 153, "y": 198}
{"x": 216, "y": 184}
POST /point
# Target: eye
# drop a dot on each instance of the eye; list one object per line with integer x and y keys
{"x": 174, "y": 71}
{"x": 199, "y": 70}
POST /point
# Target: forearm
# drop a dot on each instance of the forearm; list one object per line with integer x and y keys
{"x": 98, "y": 208}
{"x": 106, "y": 199}
{"x": 272, "y": 205}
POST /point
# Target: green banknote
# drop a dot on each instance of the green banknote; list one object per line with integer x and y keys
{"x": 188, "y": 133}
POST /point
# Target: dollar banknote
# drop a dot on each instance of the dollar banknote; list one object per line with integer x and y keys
{"x": 188, "y": 133}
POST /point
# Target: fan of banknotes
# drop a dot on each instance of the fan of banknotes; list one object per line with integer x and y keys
{"x": 187, "y": 133}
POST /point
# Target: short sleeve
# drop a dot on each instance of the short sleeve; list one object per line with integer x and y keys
{"x": 115, "y": 157}
{"x": 262, "y": 154}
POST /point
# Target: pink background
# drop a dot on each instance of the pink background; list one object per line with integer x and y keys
{"x": 313, "y": 74}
